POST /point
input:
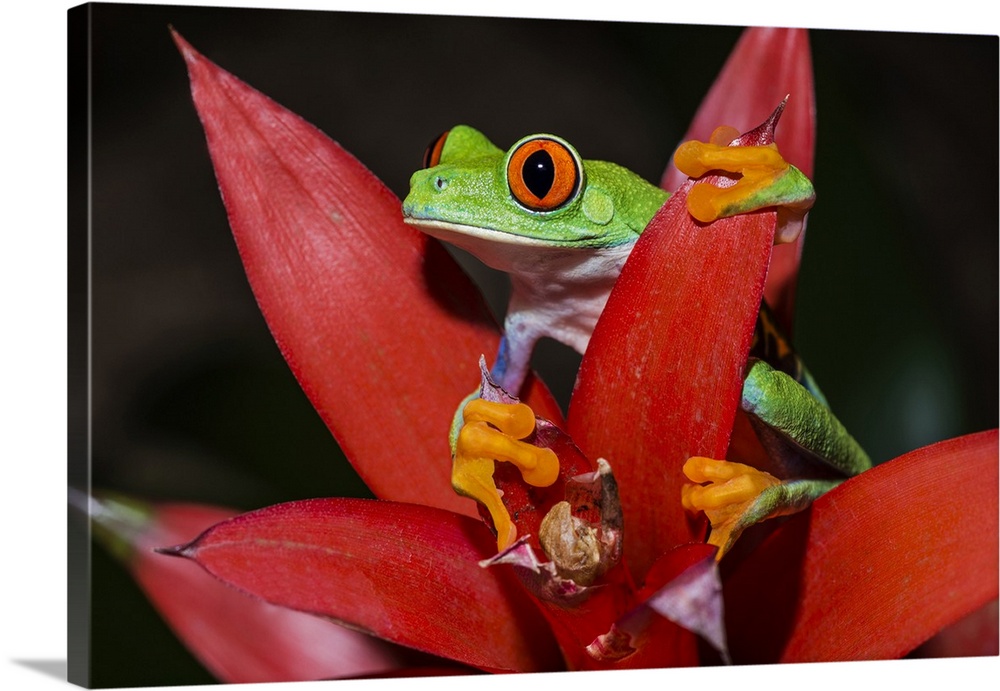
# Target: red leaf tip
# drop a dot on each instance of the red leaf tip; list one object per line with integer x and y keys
{"x": 192, "y": 58}
{"x": 763, "y": 134}
{"x": 185, "y": 48}
{"x": 185, "y": 551}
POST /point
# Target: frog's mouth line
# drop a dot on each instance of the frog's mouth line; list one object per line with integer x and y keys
{"x": 537, "y": 261}
{"x": 444, "y": 230}
{"x": 456, "y": 233}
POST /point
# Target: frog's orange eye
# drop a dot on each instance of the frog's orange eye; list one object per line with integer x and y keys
{"x": 432, "y": 156}
{"x": 543, "y": 174}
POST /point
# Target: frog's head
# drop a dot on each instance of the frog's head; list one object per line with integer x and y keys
{"x": 538, "y": 193}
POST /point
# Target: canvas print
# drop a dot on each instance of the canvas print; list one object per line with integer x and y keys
{"x": 415, "y": 345}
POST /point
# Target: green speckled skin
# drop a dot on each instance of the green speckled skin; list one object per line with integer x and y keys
{"x": 781, "y": 500}
{"x": 777, "y": 404}
{"x": 469, "y": 188}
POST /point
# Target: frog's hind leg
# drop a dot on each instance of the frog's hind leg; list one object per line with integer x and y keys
{"x": 795, "y": 426}
{"x": 737, "y": 496}
{"x": 809, "y": 449}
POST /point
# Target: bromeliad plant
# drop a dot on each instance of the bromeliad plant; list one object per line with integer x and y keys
{"x": 384, "y": 333}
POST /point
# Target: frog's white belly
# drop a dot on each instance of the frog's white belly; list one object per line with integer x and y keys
{"x": 562, "y": 293}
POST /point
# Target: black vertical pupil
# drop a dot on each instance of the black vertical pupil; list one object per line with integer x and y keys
{"x": 538, "y": 173}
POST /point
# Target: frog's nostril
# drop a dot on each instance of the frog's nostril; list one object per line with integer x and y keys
{"x": 440, "y": 183}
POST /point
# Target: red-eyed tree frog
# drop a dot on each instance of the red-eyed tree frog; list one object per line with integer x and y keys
{"x": 562, "y": 228}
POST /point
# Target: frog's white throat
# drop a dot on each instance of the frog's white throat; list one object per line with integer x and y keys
{"x": 558, "y": 291}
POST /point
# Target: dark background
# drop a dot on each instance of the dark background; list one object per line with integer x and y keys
{"x": 897, "y": 303}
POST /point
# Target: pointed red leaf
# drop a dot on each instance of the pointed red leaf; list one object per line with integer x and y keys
{"x": 409, "y": 574}
{"x": 766, "y": 65}
{"x": 661, "y": 378}
{"x": 238, "y": 638}
{"x": 878, "y": 565}
{"x": 379, "y": 325}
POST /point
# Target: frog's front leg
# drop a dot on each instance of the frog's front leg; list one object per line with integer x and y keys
{"x": 764, "y": 179}
{"x": 491, "y": 432}
{"x": 514, "y": 354}
{"x": 509, "y": 368}
{"x": 811, "y": 449}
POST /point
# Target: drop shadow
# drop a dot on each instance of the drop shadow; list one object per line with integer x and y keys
{"x": 57, "y": 669}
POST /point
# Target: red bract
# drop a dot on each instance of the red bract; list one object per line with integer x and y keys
{"x": 827, "y": 586}
{"x": 785, "y": 70}
{"x": 345, "y": 288}
{"x": 404, "y": 572}
{"x": 384, "y": 334}
{"x": 238, "y": 638}
{"x": 662, "y": 377}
